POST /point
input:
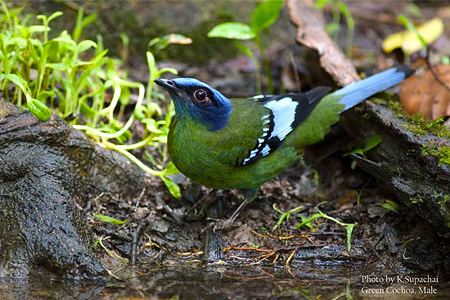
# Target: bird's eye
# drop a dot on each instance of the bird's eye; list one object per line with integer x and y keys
{"x": 200, "y": 95}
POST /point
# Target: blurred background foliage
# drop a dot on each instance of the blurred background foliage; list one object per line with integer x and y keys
{"x": 144, "y": 20}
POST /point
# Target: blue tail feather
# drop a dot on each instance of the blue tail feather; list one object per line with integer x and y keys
{"x": 359, "y": 91}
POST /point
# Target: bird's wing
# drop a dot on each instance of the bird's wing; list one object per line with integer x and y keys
{"x": 276, "y": 117}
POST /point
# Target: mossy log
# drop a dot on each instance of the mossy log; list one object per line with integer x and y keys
{"x": 418, "y": 178}
{"x": 46, "y": 169}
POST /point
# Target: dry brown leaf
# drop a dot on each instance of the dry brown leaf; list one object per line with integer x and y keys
{"x": 423, "y": 94}
{"x": 311, "y": 32}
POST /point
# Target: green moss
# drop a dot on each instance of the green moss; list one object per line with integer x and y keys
{"x": 443, "y": 200}
{"x": 416, "y": 123}
{"x": 446, "y": 198}
{"x": 391, "y": 101}
{"x": 442, "y": 153}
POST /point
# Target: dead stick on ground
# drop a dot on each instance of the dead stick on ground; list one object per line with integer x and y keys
{"x": 311, "y": 33}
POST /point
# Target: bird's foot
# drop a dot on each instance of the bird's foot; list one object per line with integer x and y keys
{"x": 228, "y": 224}
{"x": 224, "y": 225}
{"x": 219, "y": 225}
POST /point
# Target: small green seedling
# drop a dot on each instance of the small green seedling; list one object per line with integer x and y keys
{"x": 370, "y": 143}
{"x": 109, "y": 220}
{"x": 390, "y": 205}
{"x": 263, "y": 16}
{"x": 307, "y": 221}
{"x": 160, "y": 43}
{"x": 410, "y": 27}
{"x": 338, "y": 9}
{"x": 59, "y": 72}
{"x": 284, "y": 216}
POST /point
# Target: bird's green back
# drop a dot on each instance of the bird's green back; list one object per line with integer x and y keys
{"x": 317, "y": 124}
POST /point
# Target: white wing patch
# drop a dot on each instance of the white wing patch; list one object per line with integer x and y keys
{"x": 275, "y": 127}
{"x": 284, "y": 115}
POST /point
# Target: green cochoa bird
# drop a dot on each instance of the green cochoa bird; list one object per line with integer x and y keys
{"x": 241, "y": 143}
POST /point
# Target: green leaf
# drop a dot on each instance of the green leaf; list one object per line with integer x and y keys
{"x": 410, "y": 26}
{"x": 153, "y": 109}
{"x": 372, "y": 142}
{"x": 109, "y": 220}
{"x": 87, "y": 110}
{"x": 285, "y": 216}
{"x": 82, "y": 23}
{"x": 247, "y": 51}
{"x": 150, "y": 124}
{"x": 86, "y": 45}
{"x": 64, "y": 38}
{"x": 332, "y": 27}
{"x": 321, "y": 3}
{"x": 306, "y": 221}
{"x": 39, "y": 109}
{"x": 151, "y": 63}
{"x": 54, "y": 16}
{"x": 390, "y": 205}
{"x": 38, "y": 28}
{"x": 171, "y": 169}
{"x": 369, "y": 144}
{"x": 17, "y": 80}
{"x": 232, "y": 30}
{"x": 349, "y": 231}
{"x": 266, "y": 14}
{"x": 161, "y": 43}
{"x": 58, "y": 66}
{"x": 42, "y": 96}
{"x": 19, "y": 42}
{"x": 167, "y": 70}
{"x": 139, "y": 114}
{"x": 174, "y": 188}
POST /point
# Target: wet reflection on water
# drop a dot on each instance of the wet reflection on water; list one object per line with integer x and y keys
{"x": 217, "y": 282}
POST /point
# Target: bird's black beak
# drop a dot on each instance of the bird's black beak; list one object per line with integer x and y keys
{"x": 168, "y": 84}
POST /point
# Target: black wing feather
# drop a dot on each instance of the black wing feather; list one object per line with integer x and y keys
{"x": 306, "y": 103}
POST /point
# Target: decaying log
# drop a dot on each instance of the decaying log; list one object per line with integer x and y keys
{"x": 418, "y": 179}
{"x": 45, "y": 168}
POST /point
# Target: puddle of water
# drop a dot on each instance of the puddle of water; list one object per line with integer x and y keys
{"x": 226, "y": 283}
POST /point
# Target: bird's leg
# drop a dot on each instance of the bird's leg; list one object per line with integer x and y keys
{"x": 213, "y": 247}
{"x": 214, "y": 242}
{"x": 215, "y": 208}
{"x": 198, "y": 203}
{"x": 250, "y": 196}
{"x": 193, "y": 194}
